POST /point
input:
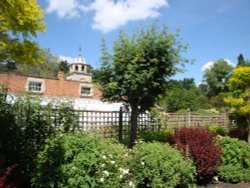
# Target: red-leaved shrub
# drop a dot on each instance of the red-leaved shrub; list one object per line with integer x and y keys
{"x": 198, "y": 144}
{"x": 4, "y": 177}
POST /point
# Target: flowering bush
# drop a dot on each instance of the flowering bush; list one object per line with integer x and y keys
{"x": 198, "y": 144}
{"x": 82, "y": 161}
{"x": 159, "y": 165}
{"x": 235, "y": 160}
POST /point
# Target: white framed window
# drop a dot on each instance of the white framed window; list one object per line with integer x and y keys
{"x": 35, "y": 86}
{"x": 85, "y": 91}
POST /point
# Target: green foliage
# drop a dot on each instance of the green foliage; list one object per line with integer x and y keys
{"x": 25, "y": 125}
{"x": 241, "y": 60}
{"x": 20, "y": 20}
{"x": 81, "y": 161}
{"x": 180, "y": 95}
{"x": 240, "y": 94}
{"x": 64, "y": 66}
{"x": 49, "y": 67}
{"x": 137, "y": 71}
{"x": 140, "y": 65}
{"x": 217, "y": 130}
{"x": 159, "y": 136}
{"x": 235, "y": 160}
{"x": 218, "y": 101}
{"x": 160, "y": 165}
{"x": 216, "y": 77}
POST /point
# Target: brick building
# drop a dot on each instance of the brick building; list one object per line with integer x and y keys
{"x": 77, "y": 84}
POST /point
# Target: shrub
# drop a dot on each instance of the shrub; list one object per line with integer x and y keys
{"x": 160, "y": 165}
{"x": 81, "y": 161}
{"x": 235, "y": 160}
{"x": 25, "y": 125}
{"x": 150, "y": 136}
{"x": 238, "y": 133}
{"x": 217, "y": 130}
{"x": 4, "y": 174}
{"x": 198, "y": 144}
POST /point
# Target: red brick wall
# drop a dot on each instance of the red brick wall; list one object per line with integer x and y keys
{"x": 53, "y": 87}
{"x": 15, "y": 83}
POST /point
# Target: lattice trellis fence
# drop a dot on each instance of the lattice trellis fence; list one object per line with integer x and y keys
{"x": 117, "y": 123}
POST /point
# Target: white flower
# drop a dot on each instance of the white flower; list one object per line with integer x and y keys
{"x": 112, "y": 162}
{"x": 104, "y": 157}
{"x": 121, "y": 169}
{"x": 103, "y": 165}
{"x": 101, "y": 179}
{"x": 126, "y": 171}
{"x": 216, "y": 178}
{"x": 126, "y": 154}
{"x": 131, "y": 184}
{"x": 106, "y": 173}
{"x": 121, "y": 176}
{"x": 142, "y": 163}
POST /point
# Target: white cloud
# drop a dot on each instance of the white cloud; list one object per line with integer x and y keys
{"x": 63, "y": 8}
{"x": 108, "y": 14}
{"x": 65, "y": 58}
{"x": 209, "y": 64}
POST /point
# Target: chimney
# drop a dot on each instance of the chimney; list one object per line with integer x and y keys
{"x": 60, "y": 75}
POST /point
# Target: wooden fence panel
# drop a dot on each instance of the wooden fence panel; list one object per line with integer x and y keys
{"x": 175, "y": 120}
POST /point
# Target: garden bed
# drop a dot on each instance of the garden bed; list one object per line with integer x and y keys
{"x": 227, "y": 185}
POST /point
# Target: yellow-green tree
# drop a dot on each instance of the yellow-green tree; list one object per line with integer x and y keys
{"x": 239, "y": 85}
{"x": 20, "y": 20}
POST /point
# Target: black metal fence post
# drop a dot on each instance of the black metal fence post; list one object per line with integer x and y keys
{"x": 120, "y": 124}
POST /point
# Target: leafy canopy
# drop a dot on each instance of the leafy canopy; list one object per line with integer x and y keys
{"x": 19, "y": 21}
{"x": 240, "y": 94}
{"x": 239, "y": 85}
{"x": 216, "y": 77}
{"x": 182, "y": 95}
{"x": 140, "y": 65}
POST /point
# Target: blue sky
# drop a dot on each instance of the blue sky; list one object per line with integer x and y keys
{"x": 213, "y": 28}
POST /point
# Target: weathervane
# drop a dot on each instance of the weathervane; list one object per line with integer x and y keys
{"x": 80, "y": 49}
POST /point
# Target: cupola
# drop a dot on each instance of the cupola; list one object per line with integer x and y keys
{"x": 79, "y": 70}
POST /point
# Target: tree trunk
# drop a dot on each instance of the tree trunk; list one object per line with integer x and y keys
{"x": 134, "y": 117}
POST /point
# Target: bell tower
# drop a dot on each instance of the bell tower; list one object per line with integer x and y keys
{"x": 79, "y": 70}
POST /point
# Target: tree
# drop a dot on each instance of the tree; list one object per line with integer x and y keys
{"x": 216, "y": 77}
{"x": 19, "y": 21}
{"x": 240, "y": 89}
{"x": 49, "y": 67}
{"x": 182, "y": 95}
{"x": 137, "y": 71}
{"x": 241, "y": 60}
{"x": 64, "y": 66}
